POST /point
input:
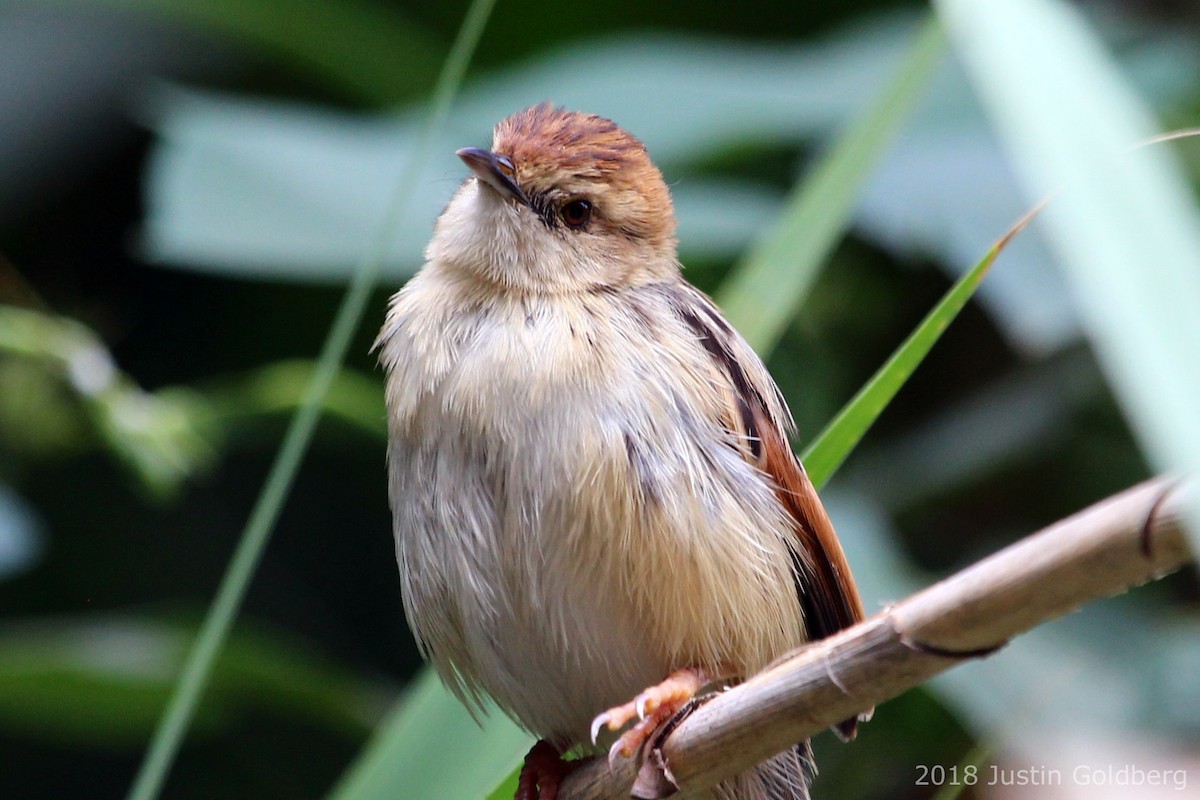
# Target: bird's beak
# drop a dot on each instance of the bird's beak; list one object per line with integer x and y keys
{"x": 494, "y": 170}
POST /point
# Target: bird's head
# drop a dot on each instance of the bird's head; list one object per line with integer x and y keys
{"x": 562, "y": 202}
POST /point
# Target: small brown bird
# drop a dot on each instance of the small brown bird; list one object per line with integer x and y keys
{"x": 589, "y": 468}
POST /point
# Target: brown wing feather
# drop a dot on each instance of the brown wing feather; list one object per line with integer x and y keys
{"x": 835, "y": 603}
{"x": 825, "y": 586}
{"x": 830, "y": 598}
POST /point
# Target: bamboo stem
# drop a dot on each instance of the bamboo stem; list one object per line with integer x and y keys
{"x": 1119, "y": 543}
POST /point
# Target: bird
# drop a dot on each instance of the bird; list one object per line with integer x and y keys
{"x": 596, "y": 509}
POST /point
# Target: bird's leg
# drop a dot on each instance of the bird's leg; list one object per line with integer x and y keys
{"x": 652, "y": 708}
{"x": 542, "y": 772}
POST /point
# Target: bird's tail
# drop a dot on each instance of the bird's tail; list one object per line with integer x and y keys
{"x": 784, "y": 777}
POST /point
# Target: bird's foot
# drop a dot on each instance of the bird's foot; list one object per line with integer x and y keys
{"x": 542, "y": 772}
{"x": 651, "y": 709}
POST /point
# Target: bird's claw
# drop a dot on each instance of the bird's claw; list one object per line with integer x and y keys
{"x": 641, "y": 707}
{"x": 648, "y": 711}
{"x": 599, "y": 722}
{"x": 615, "y": 752}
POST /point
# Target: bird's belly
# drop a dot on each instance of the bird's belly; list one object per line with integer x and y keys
{"x": 563, "y": 552}
{"x": 554, "y": 672}
{"x": 505, "y": 585}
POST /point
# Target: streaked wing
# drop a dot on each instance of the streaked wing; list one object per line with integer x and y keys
{"x": 758, "y": 417}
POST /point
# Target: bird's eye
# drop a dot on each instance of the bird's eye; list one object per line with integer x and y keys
{"x": 506, "y": 165}
{"x": 576, "y": 213}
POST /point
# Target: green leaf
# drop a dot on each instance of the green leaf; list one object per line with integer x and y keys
{"x": 250, "y": 187}
{"x": 765, "y": 291}
{"x": 830, "y": 448}
{"x": 362, "y": 48}
{"x": 508, "y": 787}
{"x": 1125, "y": 226}
{"x": 429, "y": 746}
{"x": 156, "y": 434}
{"x": 237, "y": 400}
{"x": 103, "y": 681}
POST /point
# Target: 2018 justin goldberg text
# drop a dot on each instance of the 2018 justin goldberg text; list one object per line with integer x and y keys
{"x": 1081, "y": 775}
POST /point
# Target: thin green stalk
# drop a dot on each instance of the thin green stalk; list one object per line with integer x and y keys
{"x": 763, "y": 293}
{"x": 213, "y": 633}
{"x": 841, "y": 436}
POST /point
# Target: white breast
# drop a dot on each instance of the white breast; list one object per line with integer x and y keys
{"x": 570, "y": 523}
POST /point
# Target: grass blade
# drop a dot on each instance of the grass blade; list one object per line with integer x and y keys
{"x": 829, "y": 449}
{"x": 508, "y": 787}
{"x": 429, "y": 746}
{"x": 764, "y": 292}
{"x": 215, "y": 630}
{"x": 1125, "y": 227}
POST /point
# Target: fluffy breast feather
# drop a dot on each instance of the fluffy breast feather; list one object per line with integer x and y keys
{"x": 563, "y": 550}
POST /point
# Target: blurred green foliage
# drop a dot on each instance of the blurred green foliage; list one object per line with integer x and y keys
{"x": 140, "y": 406}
